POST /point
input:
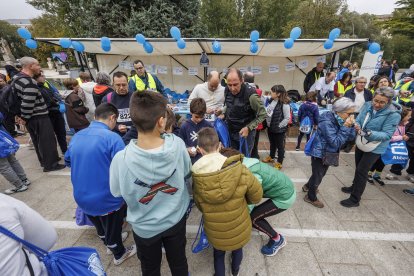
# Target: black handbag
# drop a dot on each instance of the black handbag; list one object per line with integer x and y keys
{"x": 331, "y": 159}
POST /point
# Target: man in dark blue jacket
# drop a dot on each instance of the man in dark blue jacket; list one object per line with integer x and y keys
{"x": 359, "y": 94}
{"x": 89, "y": 156}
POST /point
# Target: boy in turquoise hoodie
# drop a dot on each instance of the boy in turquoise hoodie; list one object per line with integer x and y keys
{"x": 149, "y": 174}
{"x": 280, "y": 193}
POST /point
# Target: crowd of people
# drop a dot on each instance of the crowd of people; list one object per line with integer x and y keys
{"x": 131, "y": 155}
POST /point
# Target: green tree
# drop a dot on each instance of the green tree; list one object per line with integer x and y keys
{"x": 402, "y": 21}
{"x": 8, "y": 32}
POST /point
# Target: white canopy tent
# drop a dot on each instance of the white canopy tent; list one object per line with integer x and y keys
{"x": 180, "y": 70}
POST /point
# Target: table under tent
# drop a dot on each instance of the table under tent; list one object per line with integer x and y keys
{"x": 180, "y": 69}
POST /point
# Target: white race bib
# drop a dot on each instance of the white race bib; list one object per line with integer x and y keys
{"x": 210, "y": 117}
{"x": 124, "y": 115}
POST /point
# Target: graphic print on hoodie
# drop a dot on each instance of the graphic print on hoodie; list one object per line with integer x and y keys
{"x": 152, "y": 183}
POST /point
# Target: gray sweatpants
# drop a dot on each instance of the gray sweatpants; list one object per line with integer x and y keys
{"x": 11, "y": 169}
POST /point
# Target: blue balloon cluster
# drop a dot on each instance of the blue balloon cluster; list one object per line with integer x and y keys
{"x": 65, "y": 42}
{"x": 254, "y": 36}
{"x": 295, "y": 33}
{"x": 288, "y": 43}
{"x": 78, "y": 46}
{"x": 176, "y": 34}
{"x": 254, "y": 47}
{"x": 25, "y": 34}
{"x": 216, "y": 47}
{"x": 334, "y": 34}
{"x": 105, "y": 44}
{"x": 374, "y": 48}
{"x": 140, "y": 39}
{"x": 328, "y": 44}
{"x": 148, "y": 47}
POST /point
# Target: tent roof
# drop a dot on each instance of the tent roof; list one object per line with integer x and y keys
{"x": 168, "y": 46}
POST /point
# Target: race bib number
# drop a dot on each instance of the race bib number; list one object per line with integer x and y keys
{"x": 124, "y": 115}
{"x": 210, "y": 117}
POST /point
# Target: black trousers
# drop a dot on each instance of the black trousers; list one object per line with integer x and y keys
{"x": 255, "y": 150}
{"x": 277, "y": 141}
{"x": 58, "y": 124}
{"x": 9, "y": 124}
{"x": 378, "y": 166}
{"x": 150, "y": 254}
{"x": 41, "y": 131}
{"x": 363, "y": 163}
{"x": 301, "y": 134}
{"x": 318, "y": 172}
{"x": 219, "y": 258}
{"x": 109, "y": 228}
{"x": 259, "y": 215}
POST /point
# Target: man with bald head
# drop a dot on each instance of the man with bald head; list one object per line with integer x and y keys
{"x": 211, "y": 91}
{"x": 243, "y": 109}
{"x": 35, "y": 115}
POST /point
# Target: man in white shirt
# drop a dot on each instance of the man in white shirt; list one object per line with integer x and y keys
{"x": 359, "y": 94}
{"x": 324, "y": 87}
{"x": 212, "y": 92}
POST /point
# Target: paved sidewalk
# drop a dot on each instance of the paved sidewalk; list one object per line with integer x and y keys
{"x": 376, "y": 238}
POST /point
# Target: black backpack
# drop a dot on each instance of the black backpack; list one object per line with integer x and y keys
{"x": 10, "y": 102}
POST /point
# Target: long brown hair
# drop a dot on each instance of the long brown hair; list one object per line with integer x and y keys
{"x": 280, "y": 89}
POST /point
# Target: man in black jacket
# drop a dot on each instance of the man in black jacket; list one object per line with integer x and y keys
{"x": 359, "y": 94}
{"x": 312, "y": 76}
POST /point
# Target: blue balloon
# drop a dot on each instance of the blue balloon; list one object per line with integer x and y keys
{"x": 105, "y": 44}
{"x": 181, "y": 43}
{"x": 295, "y": 33}
{"x": 254, "y": 47}
{"x": 32, "y": 44}
{"x": 288, "y": 43}
{"x": 374, "y": 48}
{"x": 148, "y": 47}
{"x": 78, "y": 46}
{"x": 140, "y": 38}
{"x": 65, "y": 42}
{"x": 216, "y": 47}
{"x": 24, "y": 33}
{"x": 175, "y": 33}
{"x": 328, "y": 44}
{"x": 254, "y": 36}
{"x": 334, "y": 34}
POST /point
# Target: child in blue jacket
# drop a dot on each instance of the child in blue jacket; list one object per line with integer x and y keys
{"x": 308, "y": 109}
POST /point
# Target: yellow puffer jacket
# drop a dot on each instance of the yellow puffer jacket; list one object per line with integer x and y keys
{"x": 222, "y": 196}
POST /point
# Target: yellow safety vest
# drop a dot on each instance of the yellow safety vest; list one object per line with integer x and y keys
{"x": 79, "y": 81}
{"x": 406, "y": 86}
{"x": 317, "y": 77}
{"x": 140, "y": 85}
{"x": 342, "y": 89}
{"x": 406, "y": 100}
{"x": 46, "y": 84}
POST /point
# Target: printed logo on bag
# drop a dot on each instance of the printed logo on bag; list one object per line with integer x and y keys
{"x": 155, "y": 188}
{"x": 400, "y": 149}
{"x": 95, "y": 265}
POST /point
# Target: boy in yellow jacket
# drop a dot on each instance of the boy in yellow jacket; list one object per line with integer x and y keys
{"x": 222, "y": 189}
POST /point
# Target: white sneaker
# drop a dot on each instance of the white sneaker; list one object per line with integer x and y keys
{"x": 129, "y": 252}
{"x": 391, "y": 176}
{"x": 26, "y": 182}
{"x": 124, "y": 237}
{"x": 410, "y": 178}
{"x": 16, "y": 190}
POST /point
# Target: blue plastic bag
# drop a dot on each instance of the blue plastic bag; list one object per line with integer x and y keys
{"x": 396, "y": 153}
{"x": 223, "y": 132}
{"x": 309, "y": 144}
{"x": 8, "y": 145}
{"x": 80, "y": 261}
{"x": 305, "y": 125}
{"x": 82, "y": 218}
{"x": 244, "y": 147}
{"x": 202, "y": 239}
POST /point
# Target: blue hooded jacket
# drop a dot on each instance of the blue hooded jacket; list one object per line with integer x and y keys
{"x": 382, "y": 124}
{"x": 330, "y": 136}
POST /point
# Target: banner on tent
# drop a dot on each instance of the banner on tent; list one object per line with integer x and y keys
{"x": 178, "y": 71}
{"x": 163, "y": 70}
{"x": 274, "y": 68}
{"x": 192, "y": 71}
{"x": 126, "y": 65}
{"x": 303, "y": 64}
{"x": 290, "y": 66}
{"x": 257, "y": 70}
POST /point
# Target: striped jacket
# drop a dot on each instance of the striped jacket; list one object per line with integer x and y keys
{"x": 33, "y": 103}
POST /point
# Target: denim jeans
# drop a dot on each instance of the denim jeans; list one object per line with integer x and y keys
{"x": 219, "y": 266}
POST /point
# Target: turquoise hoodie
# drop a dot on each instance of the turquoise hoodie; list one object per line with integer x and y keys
{"x": 152, "y": 185}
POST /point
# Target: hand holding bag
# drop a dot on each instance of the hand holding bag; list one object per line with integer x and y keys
{"x": 362, "y": 143}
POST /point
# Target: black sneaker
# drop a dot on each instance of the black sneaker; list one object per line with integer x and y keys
{"x": 370, "y": 179}
{"x": 56, "y": 168}
{"x": 346, "y": 190}
{"x": 349, "y": 203}
{"x": 297, "y": 148}
{"x": 409, "y": 191}
{"x": 378, "y": 179}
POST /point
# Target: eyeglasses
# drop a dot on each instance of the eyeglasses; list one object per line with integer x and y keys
{"x": 379, "y": 102}
{"x": 140, "y": 68}
{"x": 362, "y": 82}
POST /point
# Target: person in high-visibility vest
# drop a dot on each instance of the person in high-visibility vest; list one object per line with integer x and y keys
{"x": 343, "y": 85}
{"x": 312, "y": 76}
{"x": 143, "y": 80}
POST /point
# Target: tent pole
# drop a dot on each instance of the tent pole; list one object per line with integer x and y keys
{"x": 333, "y": 60}
{"x": 87, "y": 66}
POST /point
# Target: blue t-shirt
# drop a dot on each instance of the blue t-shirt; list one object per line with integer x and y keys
{"x": 188, "y": 132}
{"x": 89, "y": 156}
